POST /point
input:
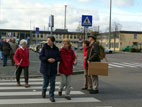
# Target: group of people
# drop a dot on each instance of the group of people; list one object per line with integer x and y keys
{"x": 49, "y": 56}
{"x": 7, "y": 50}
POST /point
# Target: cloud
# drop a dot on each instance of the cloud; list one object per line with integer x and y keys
{"x": 16, "y": 14}
{"x": 84, "y": 0}
{"x": 123, "y": 3}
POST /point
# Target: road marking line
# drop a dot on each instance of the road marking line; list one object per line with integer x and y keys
{"x": 38, "y": 101}
{"x": 121, "y": 64}
{"x": 21, "y": 88}
{"x": 33, "y": 83}
{"x": 34, "y": 93}
{"x": 115, "y": 65}
{"x": 134, "y": 64}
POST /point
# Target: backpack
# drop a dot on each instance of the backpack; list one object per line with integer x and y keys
{"x": 102, "y": 52}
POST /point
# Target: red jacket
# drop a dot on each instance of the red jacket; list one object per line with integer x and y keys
{"x": 22, "y": 54}
{"x": 67, "y": 60}
{"x": 85, "y": 55}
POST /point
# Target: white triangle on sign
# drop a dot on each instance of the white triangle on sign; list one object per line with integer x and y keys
{"x": 87, "y": 21}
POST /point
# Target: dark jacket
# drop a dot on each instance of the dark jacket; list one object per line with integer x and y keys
{"x": 46, "y": 53}
{"x": 5, "y": 48}
{"x": 94, "y": 55}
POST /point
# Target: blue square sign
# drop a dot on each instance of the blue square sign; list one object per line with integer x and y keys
{"x": 37, "y": 30}
{"x": 86, "y": 20}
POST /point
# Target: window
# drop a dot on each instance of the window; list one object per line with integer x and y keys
{"x": 116, "y": 45}
{"x": 63, "y": 36}
{"x": 74, "y": 36}
{"x": 70, "y": 36}
{"x": 60, "y": 36}
{"x": 135, "y": 36}
{"x": 56, "y": 36}
{"x": 41, "y": 35}
{"x": 34, "y": 36}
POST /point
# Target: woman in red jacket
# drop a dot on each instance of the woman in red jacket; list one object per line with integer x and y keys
{"x": 21, "y": 59}
{"x": 87, "y": 82}
{"x": 66, "y": 68}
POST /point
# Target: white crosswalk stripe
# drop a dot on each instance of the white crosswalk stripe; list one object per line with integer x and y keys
{"x": 124, "y": 65}
{"x": 11, "y": 94}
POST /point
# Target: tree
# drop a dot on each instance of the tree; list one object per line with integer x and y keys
{"x": 116, "y": 27}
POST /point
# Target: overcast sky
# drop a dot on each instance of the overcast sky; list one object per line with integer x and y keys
{"x": 16, "y": 14}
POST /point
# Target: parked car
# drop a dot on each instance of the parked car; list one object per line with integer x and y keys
{"x": 128, "y": 48}
{"x": 108, "y": 51}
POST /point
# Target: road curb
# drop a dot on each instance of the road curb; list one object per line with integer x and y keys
{"x": 36, "y": 76}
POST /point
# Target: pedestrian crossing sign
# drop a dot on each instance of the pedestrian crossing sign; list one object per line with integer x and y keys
{"x": 86, "y": 20}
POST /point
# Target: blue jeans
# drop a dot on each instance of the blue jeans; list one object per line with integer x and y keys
{"x": 46, "y": 80}
{"x": 0, "y": 55}
{"x": 5, "y": 59}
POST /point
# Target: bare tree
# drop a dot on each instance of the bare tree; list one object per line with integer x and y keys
{"x": 116, "y": 27}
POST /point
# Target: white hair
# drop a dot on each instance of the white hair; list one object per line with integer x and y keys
{"x": 23, "y": 41}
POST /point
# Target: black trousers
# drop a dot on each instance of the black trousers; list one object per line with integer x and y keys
{"x": 26, "y": 74}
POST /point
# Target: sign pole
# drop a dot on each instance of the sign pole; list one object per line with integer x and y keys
{"x": 51, "y": 31}
{"x": 86, "y": 31}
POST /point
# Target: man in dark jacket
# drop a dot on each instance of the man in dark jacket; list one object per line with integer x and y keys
{"x": 49, "y": 57}
{"x": 93, "y": 56}
{"x": 13, "y": 46}
{"x": 5, "y": 51}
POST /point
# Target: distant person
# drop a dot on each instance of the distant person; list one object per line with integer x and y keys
{"x": 66, "y": 68}
{"x": 87, "y": 78}
{"x": 93, "y": 55}
{"x": 21, "y": 59}
{"x": 1, "y": 50}
{"x": 13, "y": 46}
{"x": 5, "y": 47}
{"x": 49, "y": 57}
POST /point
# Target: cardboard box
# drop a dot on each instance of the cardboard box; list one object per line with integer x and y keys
{"x": 98, "y": 68}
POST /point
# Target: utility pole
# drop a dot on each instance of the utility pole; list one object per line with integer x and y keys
{"x": 65, "y": 17}
{"x": 30, "y": 33}
{"x": 109, "y": 38}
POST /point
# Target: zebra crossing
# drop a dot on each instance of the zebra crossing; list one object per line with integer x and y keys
{"x": 124, "y": 65}
{"x": 12, "y": 94}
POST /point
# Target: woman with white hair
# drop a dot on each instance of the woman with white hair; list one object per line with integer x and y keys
{"x": 21, "y": 59}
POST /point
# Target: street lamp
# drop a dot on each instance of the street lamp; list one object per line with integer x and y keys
{"x": 110, "y": 25}
{"x": 65, "y": 16}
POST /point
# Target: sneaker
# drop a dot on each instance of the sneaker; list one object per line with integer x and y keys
{"x": 60, "y": 93}
{"x": 68, "y": 97}
{"x": 52, "y": 99}
{"x": 43, "y": 94}
{"x": 94, "y": 91}
{"x": 26, "y": 85}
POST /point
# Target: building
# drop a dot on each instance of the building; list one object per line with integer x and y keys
{"x": 121, "y": 39}
{"x": 76, "y": 38}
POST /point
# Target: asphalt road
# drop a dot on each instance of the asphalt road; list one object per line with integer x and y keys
{"x": 122, "y": 88}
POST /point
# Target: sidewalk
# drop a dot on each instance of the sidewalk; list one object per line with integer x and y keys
{"x": 34, "y": 68}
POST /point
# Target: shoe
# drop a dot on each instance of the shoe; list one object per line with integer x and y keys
{"x": 26, "y": 85}
{"x": 52, "y": 99}
{"x": 43, "y": 94}
{"x": 89, "y": 89}
{"x": 84, "y": 88}
{"x": 94, "y": 91}
{"x": 60, "y": 93}
{"x": 68, "y": 97}
{"x": 4, "y": 65}
{"x": 18, "y": 84}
